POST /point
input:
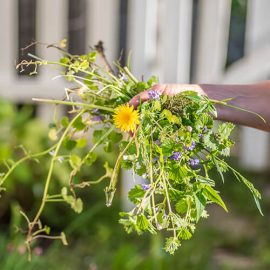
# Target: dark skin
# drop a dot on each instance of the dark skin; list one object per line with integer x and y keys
{"x": 252, "y": 97}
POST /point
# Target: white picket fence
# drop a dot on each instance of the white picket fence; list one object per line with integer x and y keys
{"x": 160, "y": 37}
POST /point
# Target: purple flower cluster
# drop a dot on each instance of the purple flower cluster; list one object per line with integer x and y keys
{"x": 145, "y": 186}
{"x": 152, "y": 94}
{"x": 97, "y": 118}
{"x": 191, "y": 147}
{"x": 193, "y": 162}
{"x": 176, "y": 156}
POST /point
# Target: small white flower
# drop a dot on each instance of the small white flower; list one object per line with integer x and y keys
{"x": 125, "y": 157}
{"x": 204, "y": 214}
{"x": 144, "y": 175}
{"x": 60, "y": 159}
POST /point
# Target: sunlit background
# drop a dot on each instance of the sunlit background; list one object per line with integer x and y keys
{"x": 180, "y": 41}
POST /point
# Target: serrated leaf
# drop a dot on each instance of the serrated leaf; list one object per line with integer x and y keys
{"x": 136, "y": 194}
{"x": 181, "y": 206}
{"x": 205, "y": 180}
{"x": 213, "y": 196}
{"x": 200, "y": 203}
{"x": 142, "y": 223}
{"x": 219, "y": 168}
{"x": 209, "y": 141}
{"x": 185, "y": 234}
{"x": 225, "y": 130}
{"x": 171, "y": 244}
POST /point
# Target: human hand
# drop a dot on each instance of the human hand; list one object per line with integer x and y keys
{"x": 168, "y": 89}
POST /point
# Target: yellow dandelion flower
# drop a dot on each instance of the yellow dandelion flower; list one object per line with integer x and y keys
{"x": 126, "y": 118}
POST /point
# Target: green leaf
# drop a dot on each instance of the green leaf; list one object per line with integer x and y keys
{"x": 108, "y": 147}
{"x": 171, "y": 244}
{"x": 91, "y": 158}
{"x": 81, "y": 143}
{"x": 115, "y": 137}
{"x": 136, "y": 194}
{"x": 75, "y": 161}
{"x": 256, "y": 199}
{"x": 53, "y": 134}
{"x": 78, "y": 124}
{"x": 69, "y": 144}
{"x": 181, "y": 206}
{"x": 97, "y": 134}
{"x": 65, "y": 121}
{"x": 225, "y": 130}
{"x": 185, "y": 234}
{"x": 220, "y": 167}
{"x": 92, "y": 56}
{"x": 77, "y": 205}
{"x": 126, "y": 164}
{"x": 213, "y": 196}
{"x": 47, "y": 229}
{"x": 171, "y": 118}
{"x": 205, "y": 180}
{"x": 142, "y": 223}
{"x": 209, "y": 141}
{"x": 200, "y": 203}
{"x": 64, "y": 60}
{"x": 157, "y": 105}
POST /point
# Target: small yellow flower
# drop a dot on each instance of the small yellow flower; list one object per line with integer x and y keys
{"x": 126, "y": 118}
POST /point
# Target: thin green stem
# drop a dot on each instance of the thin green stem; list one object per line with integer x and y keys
{"x": 70, "y": 103}
{"x": 49, "y": 176}
{"x": 106, "y": 134}
{"x": 237, "y": 108}
{"x": 169, "y": 205}
{"x": 130, "y": 75}
{"x": 55, "y": 200}
{"x": 151, "y": 181}
{"x": 32, "y": 156}
{"x": 109, "y": 191}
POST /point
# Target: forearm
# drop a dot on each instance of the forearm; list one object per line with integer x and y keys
{"x": 252, "y": 97}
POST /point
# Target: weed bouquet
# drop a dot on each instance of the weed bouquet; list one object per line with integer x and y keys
{"x": 169, "y": 141}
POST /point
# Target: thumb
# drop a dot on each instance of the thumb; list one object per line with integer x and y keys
{"x": 144, "y": 96}
{"x": 141, "y": 97}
